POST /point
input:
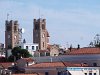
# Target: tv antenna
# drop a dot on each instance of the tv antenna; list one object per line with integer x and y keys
{"x": 39, "y": 13}
{"x": 7, "y": 16}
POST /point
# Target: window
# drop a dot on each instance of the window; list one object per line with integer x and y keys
{"x": 15, "y": 28}
{"x": 59, "y": 73}
{"x": 8, "y": 28}
{"x": 19, "y": 46}
{"x": 36, "y": 26}
{"x": 36, "y": 47}
{"x": 94, "y": 64}
{"x": 26, "y": 47}
{"x": 85, "y": 73}
{"x": 95, "y": 74}
{"x": 47, "y": 54}
{"x": 32, "y": 47}
{"x": 43, "y": 26}
{"x": 46, "y": 73}
{"x": 43, "y": 44}
{"x": 90, "y": 73}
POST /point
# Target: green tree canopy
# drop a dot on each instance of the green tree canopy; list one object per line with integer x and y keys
{"x": 17, "y": 53}
{"x": 96, "y": 42}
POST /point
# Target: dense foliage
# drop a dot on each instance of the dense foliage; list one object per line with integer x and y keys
{"x": 17, "y": 53}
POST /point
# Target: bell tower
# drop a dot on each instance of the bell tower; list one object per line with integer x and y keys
{"x": 40, "y": 34}
{"x": 11, "y": 34}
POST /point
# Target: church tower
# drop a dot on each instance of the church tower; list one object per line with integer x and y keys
{"x": 11, "y": 34}
{"x": 40, "y": 33}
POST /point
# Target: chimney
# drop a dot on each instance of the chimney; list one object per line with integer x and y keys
{"x": 70, "y": 47}
{"x": 78, "y": 47}
{"x": 51, "y": 59}
{"x": 10, "y": 73}
{"x": 1, "y": 71}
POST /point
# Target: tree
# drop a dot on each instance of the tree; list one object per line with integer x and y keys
{"x": 11, "y": 58}
{"x": 24, "y": 53}
{"x": 96, "y": 42}
{"x": 17, "y": 53}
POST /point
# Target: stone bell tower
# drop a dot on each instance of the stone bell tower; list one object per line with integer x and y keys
{"x": 11, "y": 34}
{"x": 40, "y": 33}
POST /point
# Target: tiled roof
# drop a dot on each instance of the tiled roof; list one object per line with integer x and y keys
{"x": 68, "y": 64}
{"x": 48, "y": 64}
{"x": 6, "y": 64}
{"x": 55, "y": 64}
{"x": 88, "y": 50}
{"x": 24, "y": 74}
{"x": 28, "y": 59}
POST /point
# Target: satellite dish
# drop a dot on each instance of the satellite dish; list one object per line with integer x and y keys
{"x": 22, "y": 30}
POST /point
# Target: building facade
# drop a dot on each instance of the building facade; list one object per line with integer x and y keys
{"x": 54, "y": 50}
{"x": 11, "y": 34}
{"x": 40, "y": 33}
{"x": 29, "y": 46}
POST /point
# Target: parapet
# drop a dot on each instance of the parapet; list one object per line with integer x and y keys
{"x": 39, "y": 20}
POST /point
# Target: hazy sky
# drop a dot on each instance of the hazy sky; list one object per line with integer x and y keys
{"x": 68, "y": 21}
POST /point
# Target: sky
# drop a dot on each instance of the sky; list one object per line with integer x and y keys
{"x": 68, "y": 21}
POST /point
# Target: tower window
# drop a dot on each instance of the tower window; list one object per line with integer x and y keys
{"x": 43, "y": 44}
{"x": 15, "y": 28}
{"x": 8, "y": 28}
{"x": 36, "y": 27}
{"x": 43, "y": 26}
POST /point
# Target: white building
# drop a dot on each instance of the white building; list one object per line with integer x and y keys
{"x": 79, "y": 71}
{"x": 83, "y": 70}
{"x": 31, "y": 47}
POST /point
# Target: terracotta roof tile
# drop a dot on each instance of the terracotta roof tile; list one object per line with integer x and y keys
{"x": 6, "y": 64}
{"x": 84, "y": 51}
{"x": 24, "y": 74}
{"x": 55, "y": 64}
{"x": 48, "y": 64}
{"x": 28, "y": 59}
{"x": 69, "y": 64}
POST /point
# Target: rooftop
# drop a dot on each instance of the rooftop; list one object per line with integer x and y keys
{"x": 88, "y": 50}
{"x": 28, "y": 59}
{"x": 24, "y": 74}
{"x": 6, "y": 64}
{"x": 56, "y": 64}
